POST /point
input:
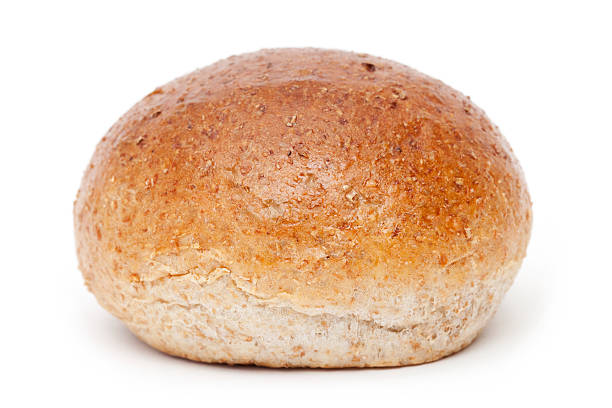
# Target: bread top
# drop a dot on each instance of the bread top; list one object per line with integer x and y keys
{"x": 310, "y": 175}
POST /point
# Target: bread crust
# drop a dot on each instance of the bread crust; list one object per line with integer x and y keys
{"x": 321, "y": 182}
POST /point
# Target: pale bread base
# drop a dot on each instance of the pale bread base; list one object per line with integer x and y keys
{"x": 211, "y": 319}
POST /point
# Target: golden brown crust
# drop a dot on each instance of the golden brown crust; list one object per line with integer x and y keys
{"x": 316, "y": 176}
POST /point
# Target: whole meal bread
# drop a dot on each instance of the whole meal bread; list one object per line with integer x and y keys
{"x": 303, "y": 208}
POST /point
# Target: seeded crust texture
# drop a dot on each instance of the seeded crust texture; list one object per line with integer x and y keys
{"x": 303, "y": 208}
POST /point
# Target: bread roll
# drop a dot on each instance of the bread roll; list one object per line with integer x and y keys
{"x": 303, "y": 208}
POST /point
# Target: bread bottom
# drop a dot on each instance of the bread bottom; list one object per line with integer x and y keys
{"x": 215, "y": 321}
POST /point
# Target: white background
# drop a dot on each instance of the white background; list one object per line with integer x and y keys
{"x": 542, "y": 71}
